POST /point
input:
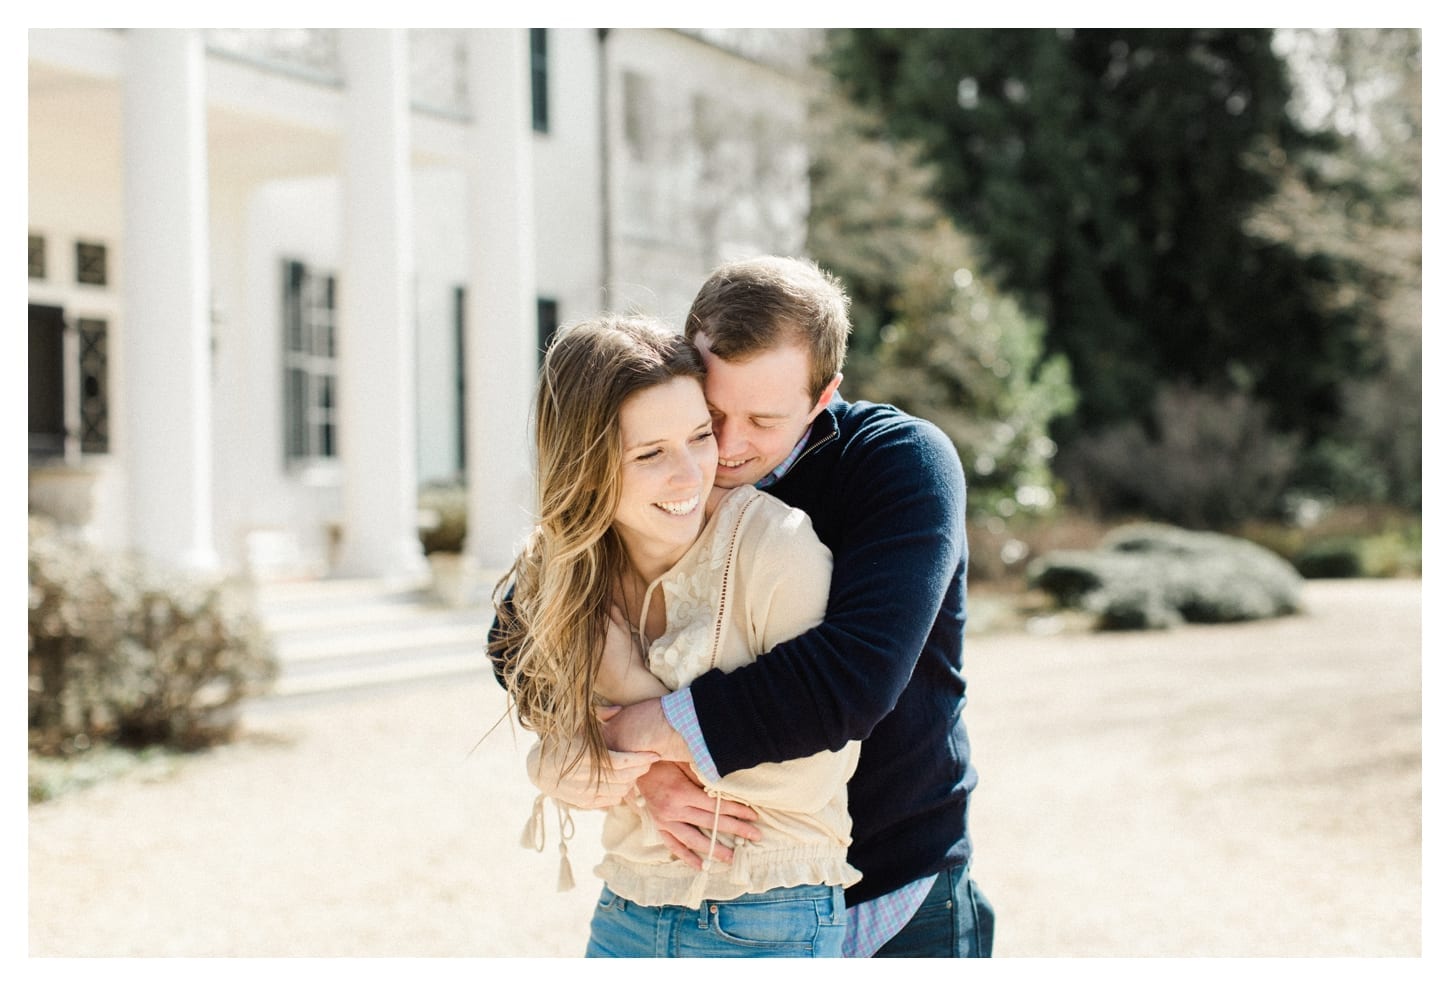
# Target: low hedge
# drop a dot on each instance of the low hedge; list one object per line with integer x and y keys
{"x": 125, "y": 653}
{"x": 1149, "y": 576}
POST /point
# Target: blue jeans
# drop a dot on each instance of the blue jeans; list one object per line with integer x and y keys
{"x": 955, "y": 921}
{"x": 792, "y": 922}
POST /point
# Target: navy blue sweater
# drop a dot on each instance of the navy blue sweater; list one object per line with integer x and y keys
{"x": 886, "y": 493}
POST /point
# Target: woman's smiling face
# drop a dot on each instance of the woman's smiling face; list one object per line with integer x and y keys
{"x": 668, "y": 459}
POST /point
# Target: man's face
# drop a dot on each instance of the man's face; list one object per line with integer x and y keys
{"x": 759, "y": 408}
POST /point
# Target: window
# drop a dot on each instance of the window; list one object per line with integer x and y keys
{"x": 539, "y": 77}
{"x": 37, "y": 257}
{"x": 47, "y": 381}
{"x": 309, "y": 363}
{"x": 548, "y": 320}
{"x": 68, "y": 394}
{"x": 91, "y": 263}
{"x": 95, "y": 421}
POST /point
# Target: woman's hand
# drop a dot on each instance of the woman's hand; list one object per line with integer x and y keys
{"x": 576, "y": 787}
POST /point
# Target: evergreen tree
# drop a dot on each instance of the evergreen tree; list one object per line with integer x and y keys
{"x": 1105, "y": 173}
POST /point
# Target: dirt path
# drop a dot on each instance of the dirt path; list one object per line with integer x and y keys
{"x": 1215, "y": 791}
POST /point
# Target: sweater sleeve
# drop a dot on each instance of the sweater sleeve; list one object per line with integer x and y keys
{"x": 898, "y": 501}
{"x": 783, "y": 578}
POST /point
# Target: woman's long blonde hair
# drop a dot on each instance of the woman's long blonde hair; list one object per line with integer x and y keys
{"x": 554, "y": 602}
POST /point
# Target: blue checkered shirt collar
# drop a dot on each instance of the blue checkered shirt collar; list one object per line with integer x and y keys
{"x": 784, "y": 467}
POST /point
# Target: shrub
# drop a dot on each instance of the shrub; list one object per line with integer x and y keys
{"x": 1348, "y": 541}
{"x": 443, "y": 507}
{"x": 1152, "y": 576}
{"x": 1211, "y": 460}
{"x": 1332, "y": 558}
{"x": 123, "y": 652}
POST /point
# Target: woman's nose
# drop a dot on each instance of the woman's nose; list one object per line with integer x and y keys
{"x": 686, "y": 471}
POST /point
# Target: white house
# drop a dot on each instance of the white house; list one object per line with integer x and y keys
{"x": 280, "y": 278}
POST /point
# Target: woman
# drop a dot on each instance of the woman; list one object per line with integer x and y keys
{"x": 633, "y": 539}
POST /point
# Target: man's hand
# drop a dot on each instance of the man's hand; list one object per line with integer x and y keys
{"x": 643, "y": 727}
{"x": 684, "y": 815}
{"x": 576, "y": 787}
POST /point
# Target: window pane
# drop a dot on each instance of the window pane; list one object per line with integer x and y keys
{"x": 47, "y": 380}
{"x": 324, "y": 317}
{"x": 539, "y": 77}
{"x": 296, "y": 413}
{"x": 310, "y": 363}
{"x": 90, "y": 263}
{"x": 292, "y": 276}
{"x": 322, "y": 416}
{"x": 95, "y": 414}
{"x": 37, "y": 257}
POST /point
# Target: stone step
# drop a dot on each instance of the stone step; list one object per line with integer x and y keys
{"x": 341, "y": 635}
{"x": 358, "y": 675}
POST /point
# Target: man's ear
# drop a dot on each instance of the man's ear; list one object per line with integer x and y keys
{"x": 826, "y": 396}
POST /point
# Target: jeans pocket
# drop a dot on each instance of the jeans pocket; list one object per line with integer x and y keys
{"x": 775, "y": 924}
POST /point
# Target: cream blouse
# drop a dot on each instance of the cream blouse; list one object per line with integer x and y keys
{"x": 757, "y": 576}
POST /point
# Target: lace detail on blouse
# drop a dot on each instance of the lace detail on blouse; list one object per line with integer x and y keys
{"x": 687, "y": 648}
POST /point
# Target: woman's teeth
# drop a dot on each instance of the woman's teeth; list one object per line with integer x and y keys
{"x": 680, "y": 507}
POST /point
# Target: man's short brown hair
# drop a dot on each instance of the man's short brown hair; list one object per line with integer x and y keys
{"x": 753, "y": 305}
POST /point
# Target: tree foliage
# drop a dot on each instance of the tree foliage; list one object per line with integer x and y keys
{"x": 931, "y": 334}
{"x": 1357, "y": 208}
{"x": 1105, "y": 174}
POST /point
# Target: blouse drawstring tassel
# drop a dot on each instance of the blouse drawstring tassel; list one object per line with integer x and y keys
{"x": 702, "y": 879}
{"x": 533, "y": 837}
{"x": 566, "y": 832}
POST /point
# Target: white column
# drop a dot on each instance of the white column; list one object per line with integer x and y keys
{"x": 166, "y": 344}
{"x": 377, "y": 402}
{"x": 501, "y": 314}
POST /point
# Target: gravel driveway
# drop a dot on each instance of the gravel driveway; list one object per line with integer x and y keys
{"x": 1250, "y": 790}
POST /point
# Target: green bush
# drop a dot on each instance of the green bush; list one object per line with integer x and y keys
{"x": 1332, "y": 558}
{"x": 1387, "y": 554}
{"x": 1392, "y": 553}
{"x": 1347, "y": 541}
{"x": 1150, "y": 576}
{"x": 122, "y": 652}
{"x": 443, "y": 509}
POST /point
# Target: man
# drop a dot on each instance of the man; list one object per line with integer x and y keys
{"x": 886, "y": 493}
